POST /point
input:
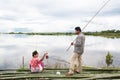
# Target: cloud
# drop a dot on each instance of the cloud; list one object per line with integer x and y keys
{"x": 7, "y": 17}
{"x": 21, "y": 30}
{"x": 57, "y": 15}
{"x": 113, "y": 12}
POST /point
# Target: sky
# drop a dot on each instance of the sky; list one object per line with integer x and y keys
{"x": 57, "y": 15}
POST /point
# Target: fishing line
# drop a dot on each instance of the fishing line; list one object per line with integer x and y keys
{"x": 62, "y": 60}
{"x": 91, "y": 20}
{"x": 95, "y": 14}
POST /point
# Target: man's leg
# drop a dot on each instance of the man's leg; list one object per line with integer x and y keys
{"x": 72, "y": 63}
{"x": 79, "y": 69}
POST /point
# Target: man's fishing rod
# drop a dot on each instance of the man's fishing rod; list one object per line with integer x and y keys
{"x": 90, "y": 20}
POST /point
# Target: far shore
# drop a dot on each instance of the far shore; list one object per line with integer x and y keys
{"x": 106, "y": 33}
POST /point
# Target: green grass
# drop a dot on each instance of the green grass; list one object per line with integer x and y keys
{"x": 51, "y": 74}
{"x": 23, "y": 69}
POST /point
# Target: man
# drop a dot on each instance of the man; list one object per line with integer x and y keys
{"x": 77, "y": 54}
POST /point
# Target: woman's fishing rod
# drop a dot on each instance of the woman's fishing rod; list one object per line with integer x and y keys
{"x": 90, "y": 20}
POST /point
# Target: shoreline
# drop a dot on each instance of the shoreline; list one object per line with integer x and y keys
{"x": 102, "y": 34}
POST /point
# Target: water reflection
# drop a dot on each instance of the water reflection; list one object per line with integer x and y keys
{"x": 12, "y": 49}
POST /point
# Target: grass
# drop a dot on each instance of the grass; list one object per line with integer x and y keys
{"x": 51, "y": 75}
{"x": 23, "y": 73}
{"x": 85, "y": 68}
{"x": 23, "y": 68}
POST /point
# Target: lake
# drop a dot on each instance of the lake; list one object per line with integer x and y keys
{"x": 14, "y": 47}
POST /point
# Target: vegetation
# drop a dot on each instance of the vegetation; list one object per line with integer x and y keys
{"x": 107, "y": 33}
{"x": 42, "y": 33}
{"x": 109, "y": 59}
{"x": 23, "y": 69}
{"x": 16, "y": 33}
{"x": 50, "y": 74}
{"x": 23, "y": 66}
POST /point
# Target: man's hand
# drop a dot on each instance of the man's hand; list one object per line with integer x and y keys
{"x": 72, "y": 43}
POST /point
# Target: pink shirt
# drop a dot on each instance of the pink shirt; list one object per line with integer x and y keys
{"x": 35, "y": 63}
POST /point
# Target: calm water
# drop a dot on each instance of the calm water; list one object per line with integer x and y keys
{"x": 14, "y": 47}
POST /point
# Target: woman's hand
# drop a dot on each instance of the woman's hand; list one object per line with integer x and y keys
{"x": 46, "y": 54}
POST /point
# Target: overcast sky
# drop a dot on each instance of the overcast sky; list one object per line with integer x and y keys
{"x": 57, "y": 15}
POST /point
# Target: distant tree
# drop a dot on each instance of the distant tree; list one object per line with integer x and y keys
{"x": 109, "y": 59}
{"x": 117, "y": 31}
{"x": 20, "y": 33}
{"x": 11, "y": 33}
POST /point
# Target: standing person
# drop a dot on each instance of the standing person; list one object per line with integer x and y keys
{"x": 77, "y": 53}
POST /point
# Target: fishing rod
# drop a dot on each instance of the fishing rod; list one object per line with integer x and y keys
{"x": 90, "y": 20}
